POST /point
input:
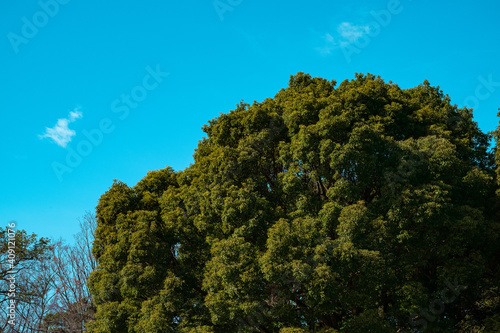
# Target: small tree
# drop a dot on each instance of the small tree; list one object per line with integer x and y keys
{"x": 29, "y": 296}
{"x": 51, "y": 279}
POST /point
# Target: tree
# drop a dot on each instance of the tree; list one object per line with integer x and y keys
{"x": 362, "y": 207}
{"x": 52, "y": 295}
{"x": 72, "y": 305}
{"x": 27, "y": 253}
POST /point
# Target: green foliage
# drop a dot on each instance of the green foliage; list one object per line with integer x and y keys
{"x": 28, "y": 248}
{"x": 25, "y": 250}
{"x": 325, "y": 209}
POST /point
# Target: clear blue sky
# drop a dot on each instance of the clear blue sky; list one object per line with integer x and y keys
{"x": 73, "y": 67}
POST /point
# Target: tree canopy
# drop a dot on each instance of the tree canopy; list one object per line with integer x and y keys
{"x": 358, "y": 208}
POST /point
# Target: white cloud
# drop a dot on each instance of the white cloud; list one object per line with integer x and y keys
{"x": 350, "y": 32}
{"x": 73, "y": 115}
{"x": 347, "y": 33}
{"x": 60, "y": 133}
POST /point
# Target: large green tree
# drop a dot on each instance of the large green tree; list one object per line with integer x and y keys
{"x": 358, "y": 208}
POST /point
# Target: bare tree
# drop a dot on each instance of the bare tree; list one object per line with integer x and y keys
{"x": 72, "y": 305}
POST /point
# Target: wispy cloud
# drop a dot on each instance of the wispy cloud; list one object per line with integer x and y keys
{"x": 347, "y": 33}
{"x": 61, "y": 134}
{"x": 330, "y": 45}
{"x": 350, "y": 33}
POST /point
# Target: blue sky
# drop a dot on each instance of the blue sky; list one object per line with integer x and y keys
{"x": 126, "y": 86}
